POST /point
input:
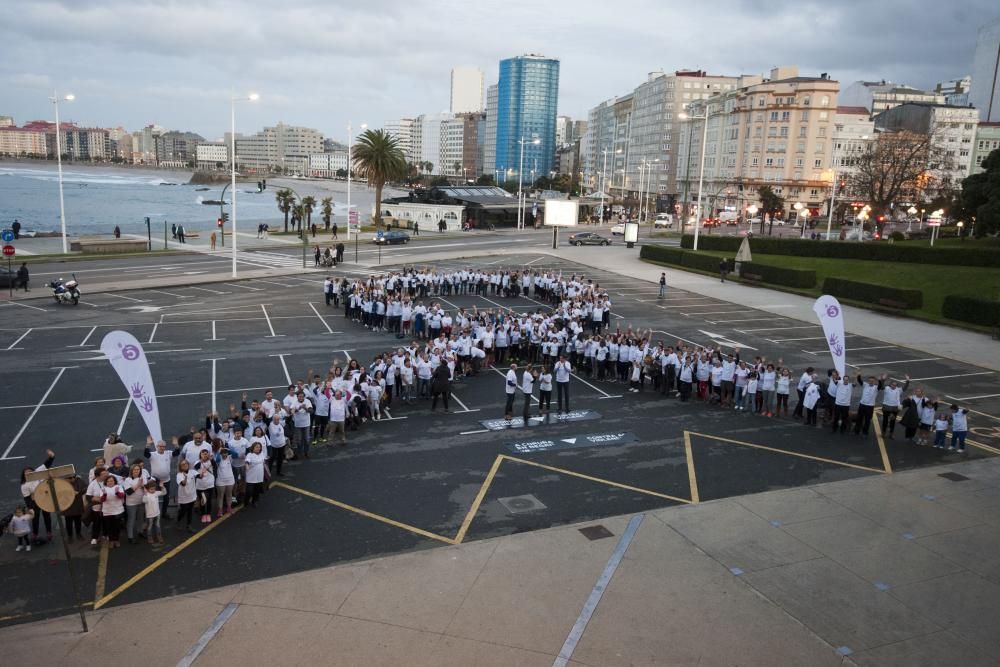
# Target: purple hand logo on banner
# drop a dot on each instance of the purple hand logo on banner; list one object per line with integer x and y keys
{"x": 831, "y": 318}
{"x": 137, "y": 390}
{"x": 128, "y": 359}
{"x": 834, "y": 340}
{"x": 147, "y": 404}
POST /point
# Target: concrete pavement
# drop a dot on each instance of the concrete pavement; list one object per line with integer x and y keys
{"x": 885, "y": 570}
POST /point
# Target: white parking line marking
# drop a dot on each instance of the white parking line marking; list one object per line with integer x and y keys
{"x": 128, "y": 298}
{"x": 34, "y": 412}
{"x": 804, "y": 326}
{"x": 284, "y": 367}
{"x": 465, "y": 408}
{"x": 20, "y": 339}
{"x": 121, "y": 422}
{"x": 24, "y": 305}
{"x": 973, "y": 398}
{"x": 87, "y": 337}
{"x": 945, "y": 377}
{"x": 152, "y": 333}
{"x": 855, "y": 349}
{"x": 255, "y": 289}
{"x": 886, "y": 363}
{"x": 205, "y": 289}
{"x": 176, "y": 296}
{"x": 269, "y": 326}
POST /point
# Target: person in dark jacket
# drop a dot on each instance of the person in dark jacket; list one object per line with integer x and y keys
{"x": 440, "y": 386}
{"x": 23, "y": 276}
{"x": 910, "y": 417}
{"x": 74, "y": 515}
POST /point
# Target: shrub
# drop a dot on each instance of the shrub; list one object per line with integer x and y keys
{"x": 897, "y": 236}
{"x": 872, "y": 251}
{"x": 971, "y": 309}
{"x": 872, "y": 293}
{"x": 661, "y": 253}
{"x": 779, "y": 275}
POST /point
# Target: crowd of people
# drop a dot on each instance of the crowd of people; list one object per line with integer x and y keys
{"x": 228, "y": 460}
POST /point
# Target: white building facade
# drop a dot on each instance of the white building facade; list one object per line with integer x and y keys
{"x": 402, "y": 130}
{"x": 490, "y": 138}
{"x": 466, "y": 90}
{"x": 985, "y": 91}
{"x": 326, "y": 165}
{"x": 210, "y": 155}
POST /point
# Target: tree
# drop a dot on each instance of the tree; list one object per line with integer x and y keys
{"x": 378, "y": 158}
{"x": 327, "y": 211}
{"x": 895, "y": 167}
{"x": 457, "y": 167}
{"x": 770, "y": 204}
{"x": 980, "y": 198}
{"x": 486, "y": 179}
{"x": 284, "y": 199}
{"x": 341, "y": 173}
{"x": 308, "y": 204}
{"x": 299, "y": 214}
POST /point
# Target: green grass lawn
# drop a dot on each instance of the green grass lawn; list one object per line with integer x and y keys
{"x": 934, "y": 280}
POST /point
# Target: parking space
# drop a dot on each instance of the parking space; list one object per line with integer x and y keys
{"x": 422, "y": 479}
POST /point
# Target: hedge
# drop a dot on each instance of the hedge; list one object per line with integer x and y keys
{"x": 661, "y": 253}
{"x": 874, "y": 251}
{"x": 971, "y": 309}
{"x": 873, "y": 293}
{"x": 778, "y": 275}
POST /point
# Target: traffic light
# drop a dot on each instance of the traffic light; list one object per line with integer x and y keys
{"x": 263, "y": 184}
{"x": 224, "y": 219}
{"x": 260, "y": 186}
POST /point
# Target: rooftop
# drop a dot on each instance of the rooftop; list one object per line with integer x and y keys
{"x": 852, "y": 111}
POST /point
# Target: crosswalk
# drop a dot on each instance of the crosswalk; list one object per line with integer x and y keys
{"x": 270, "y": 259}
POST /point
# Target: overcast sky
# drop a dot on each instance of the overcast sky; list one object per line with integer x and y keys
{"x": 324, "y": 63}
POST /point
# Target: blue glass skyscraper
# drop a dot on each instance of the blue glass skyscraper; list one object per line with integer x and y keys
{"x": 527, "y": 95}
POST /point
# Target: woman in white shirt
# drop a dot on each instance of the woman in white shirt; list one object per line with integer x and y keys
{"x": 225, "y": 480}
{"x": 255, "y": 473}
{"x": 186, "y": 494}
{"x": 112, "y": 508}
{"x": 545, "y": 390}
{"x": 204, "y": 484}
{"x": 276, "y": 436}
{"x": 134, "y": 486}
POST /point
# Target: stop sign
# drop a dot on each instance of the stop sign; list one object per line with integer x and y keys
{"x": 8, "y": 251}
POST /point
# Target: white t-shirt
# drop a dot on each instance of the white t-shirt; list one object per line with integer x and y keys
{"x": 151, "y": 502}
{"x": 114, "y": 503}
{"x": 255, "y": 468}
{"x": 186, "y": 493}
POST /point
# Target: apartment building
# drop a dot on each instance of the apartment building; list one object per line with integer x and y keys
{"x": 879, "y": 96}
{"x": 402, "y": 130}
{"x": 490, "y": 137}
{"x": 282, "y": 148}
{"x": 21, "y": 141}
{"x": 853, "y": 134}
{"x": 776, "y": 132}
{"x": 987, "y": 141}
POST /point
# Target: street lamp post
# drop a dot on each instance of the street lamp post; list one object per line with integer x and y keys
{"x": 909, "y": 221}
{"x": 798, "y": 216}
{"x": 701, "y": 169}
{"x": 232, "y": 160}
{"x": 604, "y": 171}
{"x": 62, "y": 206}
{"x": 805, "y": 219}
{"x": 520, "y": 182}
{"x": 357, "y": 232}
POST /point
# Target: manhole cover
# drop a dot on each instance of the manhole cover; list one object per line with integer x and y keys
{"x": 953, "y": 476}
{"x": 596, "y": 532}
{"x": 521, "y": 504}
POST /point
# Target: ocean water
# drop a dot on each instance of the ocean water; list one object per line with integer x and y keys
{"x": 99, "y": 198}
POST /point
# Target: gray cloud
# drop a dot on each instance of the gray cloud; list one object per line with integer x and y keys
{"x": 321, "y": 64}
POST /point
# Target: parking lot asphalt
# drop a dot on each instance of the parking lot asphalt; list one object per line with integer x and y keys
{"x": 417, "y": 480}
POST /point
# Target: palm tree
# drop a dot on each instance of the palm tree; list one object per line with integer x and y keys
{"x": 327, "y": 212}
{"x": 284, "y": 199}
{"x": 378, "y": 158}
{"x": 299, "y": 213}
{"x": 308, "y": 204}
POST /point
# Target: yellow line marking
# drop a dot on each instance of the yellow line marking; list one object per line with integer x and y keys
{"x": 365, "y": 513}
{"x": 690, "y": 463}
{"x": 598, "y": 479}
{"x": 102, "y": 571}
{"x": 982, "y": 446}
{"x": 783, "y": 451}
{"x": 876, "y": 422}
{"x": 161, "y": 560}
{"x": 31, "y": 614}
{"x": 471, "y": 514}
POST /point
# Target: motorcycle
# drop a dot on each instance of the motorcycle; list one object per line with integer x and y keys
{"x": 66, "y": 292}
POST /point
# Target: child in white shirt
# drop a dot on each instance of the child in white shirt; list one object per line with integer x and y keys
{"x": 151, "y": 502}
{"x": 20, "y": 526}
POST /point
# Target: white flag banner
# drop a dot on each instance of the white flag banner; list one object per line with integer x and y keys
{"x": 129, "y": 360}
{"x": 831, "y": 317}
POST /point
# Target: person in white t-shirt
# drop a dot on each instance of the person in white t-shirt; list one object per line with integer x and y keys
{"x": 151, "y": 505}
{"x": 510, "y": 387}
{"x": 256, "y": 461}
{"x": 112, "y": 508}
{"x": 186, "y": 494}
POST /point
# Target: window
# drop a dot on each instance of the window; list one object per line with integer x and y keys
{"x": 805, "y": 101}
{"x": 814, "y": 192}
{"x": 968, "y": 126}
{"x": 805, "y": 116}
{"x": 769, "y": 162}
{"x": 798, "y": 162}
{"x": 822, "y": 132}
{"x": 784, "y": 131}
{"x": 786, "y": 115}
{"x": 824, "y": 101}
{"x": 772, "y": 131}
{"x": 824, "y": 115}
{"x": 754, "y": 162}
{"x": 802, "y": 132}
{"x": 818, "y": 163}
{"x": 774, "y": 115}
{"x": 781, "y": 162}
{"x": 760, "y": 101}
{"x": 963, "y": 153}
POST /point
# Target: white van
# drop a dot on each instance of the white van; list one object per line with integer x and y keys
{"x": 663, "y": 221}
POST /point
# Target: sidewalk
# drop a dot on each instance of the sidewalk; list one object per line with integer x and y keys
{"x": 897, "y": 569}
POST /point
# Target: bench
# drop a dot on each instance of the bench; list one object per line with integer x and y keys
{"x": 892, "y": 303}
{"x": 109, "y": 246}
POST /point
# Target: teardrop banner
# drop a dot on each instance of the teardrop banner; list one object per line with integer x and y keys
{"x": 831, "y": 317}
{"x": 129, "y": 360}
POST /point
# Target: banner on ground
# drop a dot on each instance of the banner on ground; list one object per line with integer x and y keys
{"x": 831, "y": 317}
{"x": 129, "y": 360}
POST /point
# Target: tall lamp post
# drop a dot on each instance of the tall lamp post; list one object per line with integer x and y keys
{"x": 233, "y": 99}
{"x": 357, "y": 232}
{"x": 520, "y": 181}
{"x": 798, "y": 216}
{"x": 912, "y": 211}
{"x": 604, "y": 171}
{"x": 62, "y": 206}
{"x": 701, "y": 168}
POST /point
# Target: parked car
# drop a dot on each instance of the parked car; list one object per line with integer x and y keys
{"x": 618, "y": 230}
{"x": 391, "y": 237}
{"x": 9, "y": 278}
{"x": 588, "y": 238}
{"x": 663, "y": 221}
{"x": 710, "y": 222}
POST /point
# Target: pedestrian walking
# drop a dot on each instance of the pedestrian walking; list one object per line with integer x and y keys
{"x": 416, "y": 229}
{"x": 118, "y": 232}
{"x": 173, "y": 231}
{"x": 16, "y": 228}
{"x": 212, "y": 239}
{"x": 180, "y": 233}
{"x": 723, "y": 268}
{"x": 663, "y": 285}
{"x": 440, "y": 386}
{"x": 23, "y": 276}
